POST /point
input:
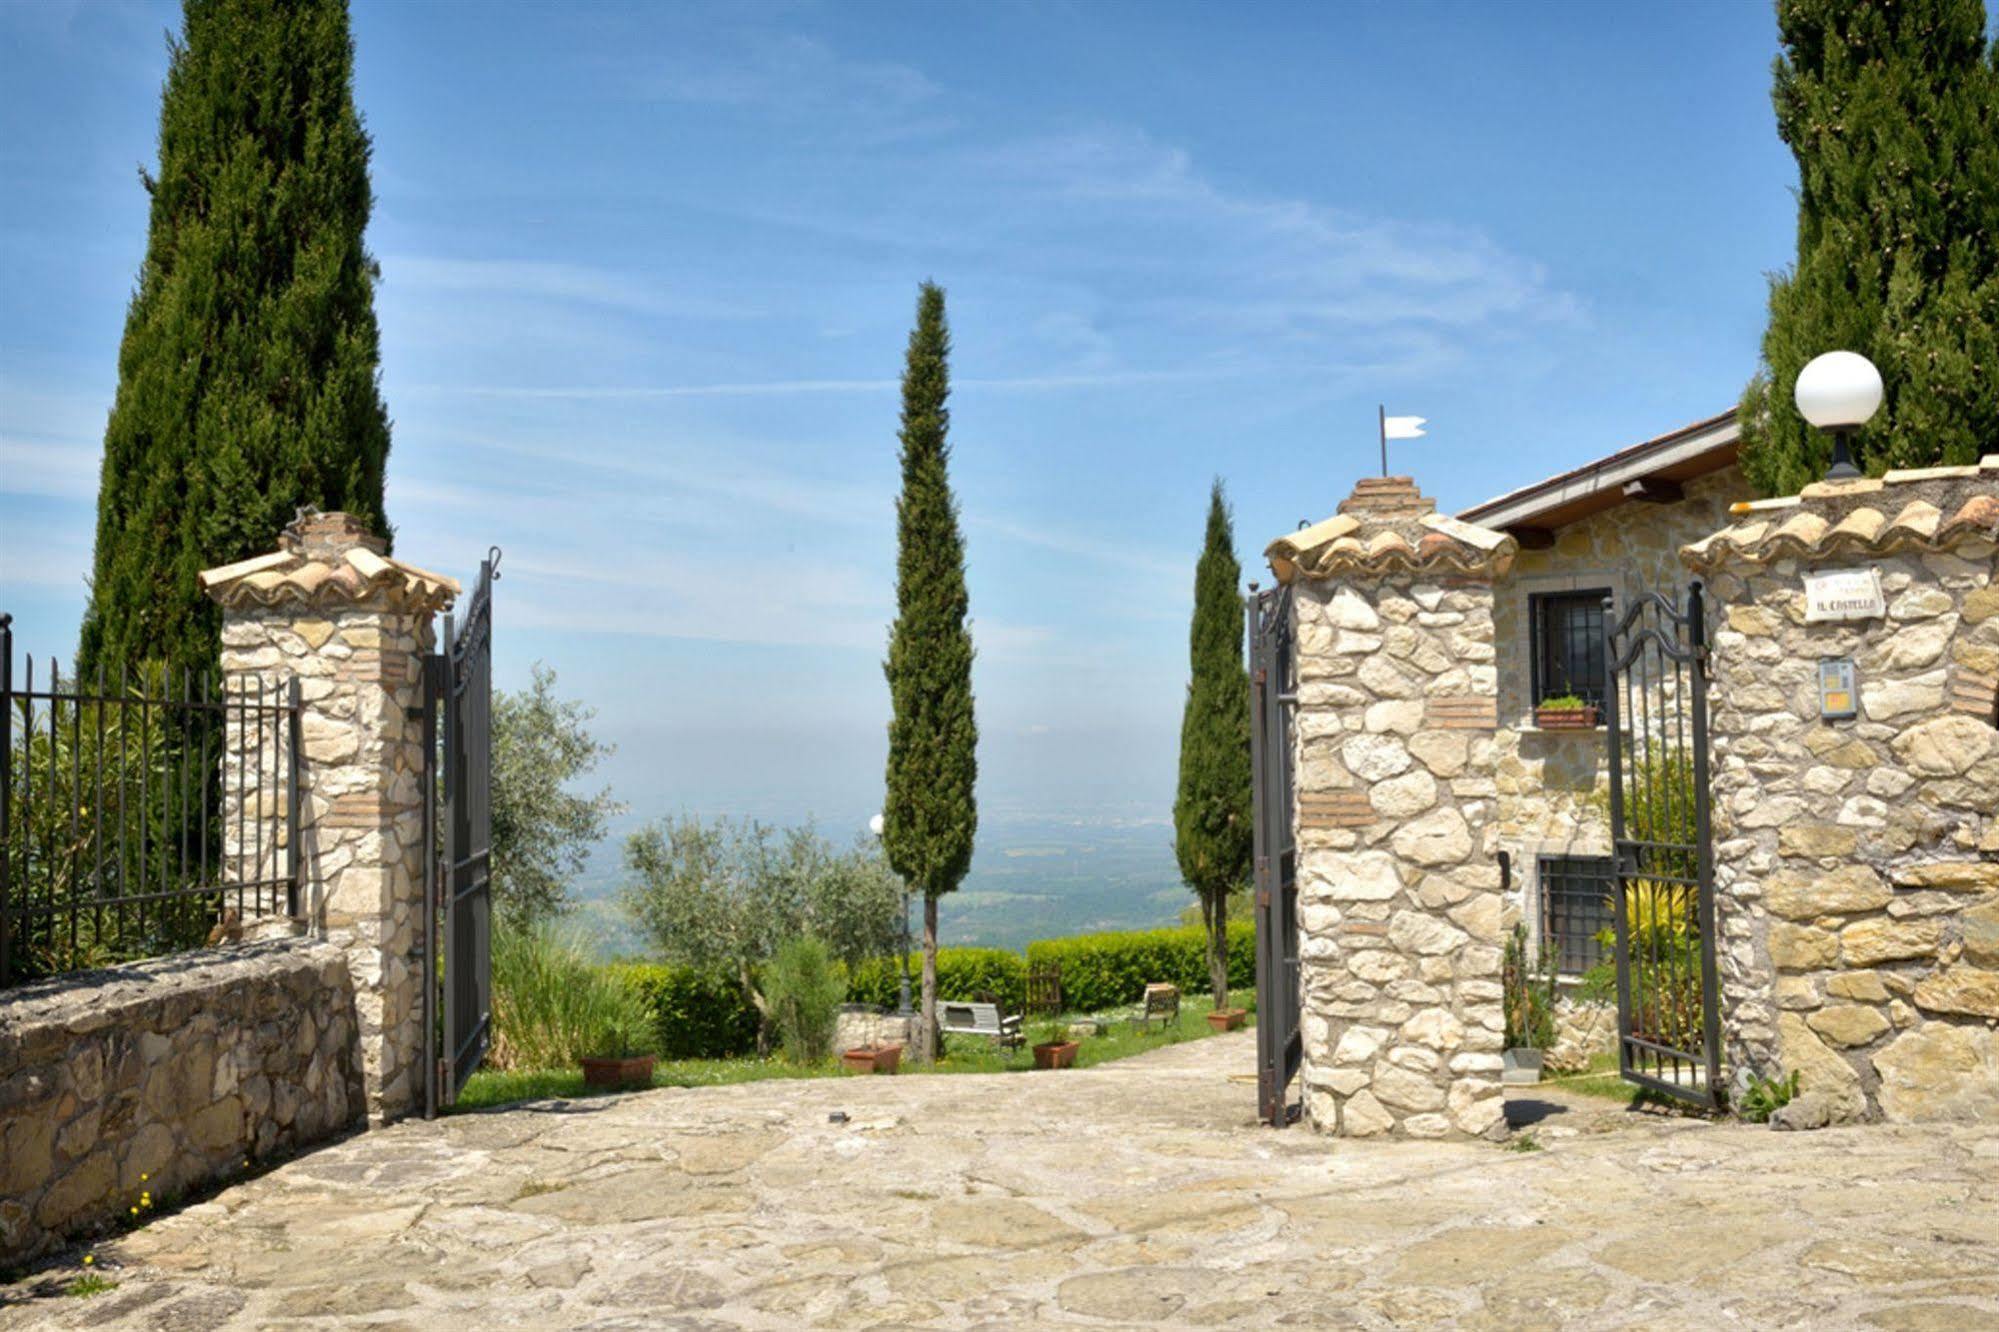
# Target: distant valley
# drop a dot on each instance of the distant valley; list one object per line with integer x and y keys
{"x": 1030, "y": 879}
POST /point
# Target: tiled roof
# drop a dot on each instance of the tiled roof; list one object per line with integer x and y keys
{"x": 1920, "y": 509}
{"x": 1387, "y": 526}
{"x": 328, "y": 559}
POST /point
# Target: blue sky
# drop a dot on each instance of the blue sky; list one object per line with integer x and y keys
{"x": 648, "y": 272}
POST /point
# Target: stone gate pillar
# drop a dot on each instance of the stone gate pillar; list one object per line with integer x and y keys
{"x": 1857, "y": 831}
{"x": 1400, "y": 901}
{"x": 329, "y": 609}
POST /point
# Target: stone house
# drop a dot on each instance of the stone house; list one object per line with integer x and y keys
{"x": 1849, "y": 872}
{"x": 1609, "y": 530}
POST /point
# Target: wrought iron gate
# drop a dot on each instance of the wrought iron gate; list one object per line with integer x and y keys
{"x": 1273, "y": 691}
{"x": 460, "y": 687}
{"x": 1669, "y": 1024}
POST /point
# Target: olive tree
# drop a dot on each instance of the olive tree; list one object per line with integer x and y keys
{"x": 724, "y": 896}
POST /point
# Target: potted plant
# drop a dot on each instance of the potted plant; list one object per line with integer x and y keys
{"x": 1529, "y": 1003}
{"x": 1565, "y": 712}
{"x": 621, "y": 1034}
{"x": 880, "y": 1058}
{"x": 1228, "y": 1019}
{"x": 1058, "y": 1050}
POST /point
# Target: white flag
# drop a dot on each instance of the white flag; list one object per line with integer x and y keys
{"x": 1402, "y": 427}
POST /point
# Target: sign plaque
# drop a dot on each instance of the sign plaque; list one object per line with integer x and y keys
{"x": 1836, "y": 693}
{"x": 1844, "y": 594}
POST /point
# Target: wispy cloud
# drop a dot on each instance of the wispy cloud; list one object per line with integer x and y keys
{"x": 536, "y": 280}
{"x": 1273, "y": 264}
{"x": 800, "y": 77}
{"x": 782, "y": 388}
{"x": 58, "y": 468}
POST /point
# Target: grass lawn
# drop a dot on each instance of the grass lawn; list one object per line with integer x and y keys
{"x": 1600, "y": 1079}
{"x": 962, "y": 1054}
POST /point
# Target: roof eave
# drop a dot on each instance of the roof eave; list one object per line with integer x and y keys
{"x": 1717, "y": 436}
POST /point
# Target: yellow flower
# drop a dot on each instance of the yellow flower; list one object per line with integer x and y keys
{"x": 135, "y": 1211}
{"x": 89, "y": 1258}
{"x": 143, "y": 1177}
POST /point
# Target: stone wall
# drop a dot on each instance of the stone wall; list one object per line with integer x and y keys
{"x": 865, "y": 1025}
{"x": 1857, "y": 892}
{"x": 149, "y": 1080}
{"x": 1400, "y": 912}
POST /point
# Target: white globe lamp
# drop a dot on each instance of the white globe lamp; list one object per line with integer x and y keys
{"x": 1839, "y": 392}
{"x": 876, "y": 824}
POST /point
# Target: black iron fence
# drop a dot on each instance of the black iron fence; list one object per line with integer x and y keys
{"x": 120, "y": 835}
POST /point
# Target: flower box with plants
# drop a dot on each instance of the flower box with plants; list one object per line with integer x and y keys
{"x": 1057, "y": 1049}
{"x": 1565, "y": 712}
{"x": 1228, "y": 1019}
{"x": 1529, "y": 1002}
{"x": 621, "y": 1036}
{"x": 872, "y": 1058}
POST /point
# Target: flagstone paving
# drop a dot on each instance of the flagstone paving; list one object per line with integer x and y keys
{"x": 1139, "y": 1193}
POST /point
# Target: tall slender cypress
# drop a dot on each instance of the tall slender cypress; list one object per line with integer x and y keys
{"x": 248, "y": 380}
{"x": 930, "y": 816}
{"x": 1211, "y": 814}
{"x": 1891, "y": 108}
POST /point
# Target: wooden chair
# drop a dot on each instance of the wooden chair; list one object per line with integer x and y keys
{"x": 1161, "y": 1004}
{"x": 1044, "y": 991}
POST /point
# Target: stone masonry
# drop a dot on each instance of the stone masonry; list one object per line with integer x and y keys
{"x": 1855, "y": 873}
{"x": 330, "y": 610}
{"x": 1401, "y": 919}
{"x": 127, "y": 1087}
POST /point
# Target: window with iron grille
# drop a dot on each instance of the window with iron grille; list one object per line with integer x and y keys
{"x": 1568, "y": 648}
{"x": 1575, "y": 909}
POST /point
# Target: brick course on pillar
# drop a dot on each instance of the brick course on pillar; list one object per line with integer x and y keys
{"x": 1401, "y": 917}
{"x": 352, "y": 626}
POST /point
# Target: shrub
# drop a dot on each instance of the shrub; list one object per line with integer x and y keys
{"x": 804, "y": 989}
{"x": 1529, "y": 996}
{"x": 553, "y": 1002}
{"x": 695, "y": 1014}
{"x": 961, "y": 973}
{"x": 1765, "y": 1096}
{"x": 1101, "y": 971}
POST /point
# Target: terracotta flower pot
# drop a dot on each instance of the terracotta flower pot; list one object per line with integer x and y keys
{"x": 1228, "y": 1019}
{"x": 1566, "y": 719}
{"x": 1055, "y": 1054}
{"x": 872, "y": 1058}
{"x": 608, "y": 1071}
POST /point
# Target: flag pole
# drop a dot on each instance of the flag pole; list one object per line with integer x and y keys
{"x": 1382, "y": 410}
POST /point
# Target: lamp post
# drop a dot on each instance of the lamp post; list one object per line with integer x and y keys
{"x": 1838, "y": 392}
{"x": 875, "y": 826}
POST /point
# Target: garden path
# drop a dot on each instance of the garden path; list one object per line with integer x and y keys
{"x": 1140, "y": 1192}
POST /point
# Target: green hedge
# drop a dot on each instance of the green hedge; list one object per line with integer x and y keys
{"x": 699, "y": 1014}
{"x": 1101, "y": 971}
{"x": 961, "y": 973}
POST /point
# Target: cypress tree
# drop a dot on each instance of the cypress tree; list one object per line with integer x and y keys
{"x": 1211, "y": 814}
{"x": 247, "y": 378}
{"x": 1891, "y": 108}
{"x": 930, "y": 816}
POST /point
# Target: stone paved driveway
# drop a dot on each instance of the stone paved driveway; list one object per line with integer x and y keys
{"x": 1136, "y": 1194}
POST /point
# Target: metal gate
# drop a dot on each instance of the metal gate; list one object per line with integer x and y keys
{"x": 460, "y": 687}
{"x": 1669, "y": 1025}
{"x": 1273, "y": 692}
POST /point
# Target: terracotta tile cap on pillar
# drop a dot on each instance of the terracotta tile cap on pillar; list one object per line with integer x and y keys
{"x": 328, "y": 559}
{"x": 1387, "y": 526}
{"x": 1917, "y": 509}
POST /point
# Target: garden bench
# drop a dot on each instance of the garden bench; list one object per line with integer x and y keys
{"x": 1161, "y": 1004}
{"x": 979, "y": 1019}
